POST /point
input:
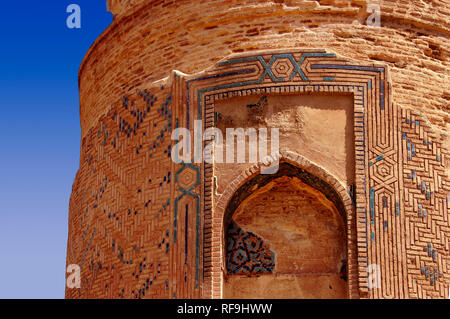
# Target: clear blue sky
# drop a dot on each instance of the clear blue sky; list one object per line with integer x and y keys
{"x": 39, "y": 138}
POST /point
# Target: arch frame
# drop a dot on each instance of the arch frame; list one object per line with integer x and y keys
{"x": 218, "y": 233}
{"x": 378, "y": 158}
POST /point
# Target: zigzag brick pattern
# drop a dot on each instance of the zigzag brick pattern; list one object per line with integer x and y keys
{"x": 122, "y": 196}
{"x": 426, "y": 197}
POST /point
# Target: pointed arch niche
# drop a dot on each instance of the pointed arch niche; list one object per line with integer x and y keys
{"x": 285, "y": 236}
{"x": 322, "y": 207}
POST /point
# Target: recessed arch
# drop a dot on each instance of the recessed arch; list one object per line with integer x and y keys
{"x": 286, "y": 239}
{"x": 310, "y": 173}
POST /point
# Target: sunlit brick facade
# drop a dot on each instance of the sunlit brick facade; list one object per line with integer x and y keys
{"x": 363, "y": 177}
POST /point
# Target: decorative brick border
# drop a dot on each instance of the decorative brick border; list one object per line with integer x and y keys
{"x": 378, "y": 158}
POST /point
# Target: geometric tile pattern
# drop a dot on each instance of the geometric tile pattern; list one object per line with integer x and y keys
{"x": 247, "y": 253}
{"x": 426, "y": 196}
{"x": 119, "y": 231}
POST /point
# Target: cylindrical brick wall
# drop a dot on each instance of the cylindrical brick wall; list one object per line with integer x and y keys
{"x": 148, "y": 39}
{"x": 133, "y": 226}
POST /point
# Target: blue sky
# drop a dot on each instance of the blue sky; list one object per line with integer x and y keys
{"x": 39, "y": 138}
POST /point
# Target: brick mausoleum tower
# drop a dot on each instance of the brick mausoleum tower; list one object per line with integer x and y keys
{"x": 359, "y": 206}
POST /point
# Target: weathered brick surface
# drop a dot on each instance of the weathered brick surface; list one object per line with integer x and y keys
{"x": 308, "y": 255}
{"x": 144, "y": 45}
{"x": 141, "y": 226}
